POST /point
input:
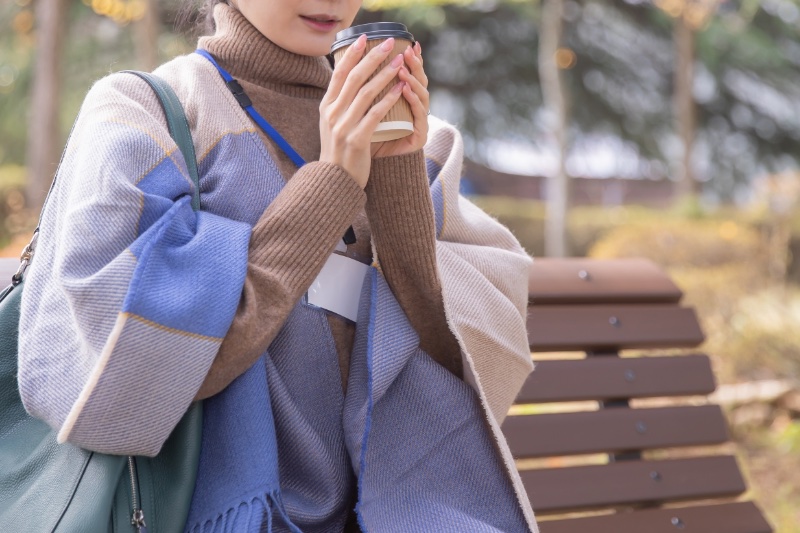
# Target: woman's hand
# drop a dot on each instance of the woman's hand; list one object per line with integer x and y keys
{"x": 416, "y": 92}
{"x": 347, "y": 117}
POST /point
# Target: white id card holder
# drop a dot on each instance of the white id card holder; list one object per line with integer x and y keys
{"x": 338, "y": 286}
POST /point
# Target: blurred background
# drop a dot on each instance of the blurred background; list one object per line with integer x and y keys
{"x": 666, "y": 129}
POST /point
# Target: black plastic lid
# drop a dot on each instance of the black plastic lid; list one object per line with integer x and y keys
{"x": 373, "y": 30}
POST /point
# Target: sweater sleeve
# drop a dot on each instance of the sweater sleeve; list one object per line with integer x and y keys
{"x": 401, "y": 217}
{"x": 289, "y": 245}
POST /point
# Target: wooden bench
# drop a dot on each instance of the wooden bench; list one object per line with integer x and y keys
{"x": 594, "y": 454}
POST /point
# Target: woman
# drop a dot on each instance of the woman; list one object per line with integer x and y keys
{"x": 136, "y": 305}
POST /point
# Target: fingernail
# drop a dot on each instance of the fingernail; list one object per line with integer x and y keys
{"x": 397, "y": 61}
{"x": 418, "y": 46}
{"x": 388, "y": 44}
{"x": 399, "y": 87}
{"x": 360, "y": 42}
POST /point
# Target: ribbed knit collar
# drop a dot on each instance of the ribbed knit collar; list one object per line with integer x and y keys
{"x": 248, "y": 55}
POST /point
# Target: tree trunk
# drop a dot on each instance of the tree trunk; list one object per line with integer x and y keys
{"x": 146, "y": 31}
{"x": 44, "y": 140}
{"x": 555, "y": 103}
{"x": 684, "y": 109}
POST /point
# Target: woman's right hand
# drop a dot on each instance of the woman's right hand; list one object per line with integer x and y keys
{"x": 347, "y": 117}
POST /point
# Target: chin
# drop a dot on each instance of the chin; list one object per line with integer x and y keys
{"x": 312, "y": 48}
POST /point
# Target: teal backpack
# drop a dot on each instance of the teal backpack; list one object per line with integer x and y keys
{"x": 51, "y": 487}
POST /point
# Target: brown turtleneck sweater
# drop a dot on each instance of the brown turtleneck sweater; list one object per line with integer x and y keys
{"x": 298, "y": 231}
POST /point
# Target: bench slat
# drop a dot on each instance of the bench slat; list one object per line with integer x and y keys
{"x": 738, "y": 517}
{"x": 604, "y": 378}
{"x": 8, "y": 267}
{"x": 614, "y": 430}
{"x": 631, "y": 482}
{"x": 580, "y": 280}
{"x": 610, "y": 327}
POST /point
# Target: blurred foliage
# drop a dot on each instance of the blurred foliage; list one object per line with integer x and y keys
{"x": 12, "y": 203}
{"x": 789, "y": 438}
{"x": 769, "y": 457}
{"x": 482, "y": 60}
{"x": 525, "y": 218}
{"x": 751, "y": 320}
{"x": 16, "y": 41}
{"x": 676, "y": 242}
{"x": 761, "y": 339}
{"x": 120, "y": 11}
{"x": 96, "y": 46}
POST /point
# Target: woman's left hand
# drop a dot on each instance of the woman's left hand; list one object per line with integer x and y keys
{"x": 415, "y": 92}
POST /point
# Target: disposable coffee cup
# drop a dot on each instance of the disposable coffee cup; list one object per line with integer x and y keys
{"x": 399, "y": 121}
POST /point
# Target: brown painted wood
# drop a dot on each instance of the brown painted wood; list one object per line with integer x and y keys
{"x": 581, "y": 280}
{"x": 604, "y": 378}
{"x": 607, "y": 306}
{"x": 8, "y": 266}
{"x": 738, "y": 517}
{"x": 631, "y": 482}
{"x": 610, "y": 327}
{"x": 614, "y": 430}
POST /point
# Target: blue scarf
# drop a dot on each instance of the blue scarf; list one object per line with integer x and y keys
{"x": 126, "y": 280}
{"x": 413, "y": 433}
{"x": 282, "y": 446}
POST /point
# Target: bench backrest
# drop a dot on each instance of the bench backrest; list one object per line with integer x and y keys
{"x": 613, "y": 463}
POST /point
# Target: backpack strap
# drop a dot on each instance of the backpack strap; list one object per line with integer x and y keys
{"x": 178, "y": 127}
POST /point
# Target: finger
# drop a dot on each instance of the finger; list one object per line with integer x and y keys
{"x": 416, "y": 86}
{"x": 359, "y": 75}
{"x": 343, "y": 67}
{"x": 418, "y": 109}
{"x": 370, "y": 122}
{"x": 414, "y": 64}
{"x": 371, "y": 90}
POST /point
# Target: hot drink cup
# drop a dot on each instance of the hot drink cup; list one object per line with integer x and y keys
{"x": 399, "y": 121}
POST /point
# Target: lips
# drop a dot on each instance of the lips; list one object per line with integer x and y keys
{"x": 320, "y": 22}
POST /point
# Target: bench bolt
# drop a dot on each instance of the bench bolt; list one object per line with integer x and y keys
{"x": 677, "y": 522}
{"x": 614, "y": 321}
{"x": 655, "y": 476}
{"x": 641, "y": 427}
{"x": 584, "y": 275}
{"x": 630, "y": 375}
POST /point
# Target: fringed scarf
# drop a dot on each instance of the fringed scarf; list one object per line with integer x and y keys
{"x": 128, "y": 334}
{"x": 412, "y": 433}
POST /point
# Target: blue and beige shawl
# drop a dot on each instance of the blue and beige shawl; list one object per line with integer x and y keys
{"x": 132, "y": 292}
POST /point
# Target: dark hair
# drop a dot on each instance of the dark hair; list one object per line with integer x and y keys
{"x": 196, "y": 20}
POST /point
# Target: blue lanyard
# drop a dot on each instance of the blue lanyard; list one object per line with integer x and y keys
{"x": 247, "y": 105}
